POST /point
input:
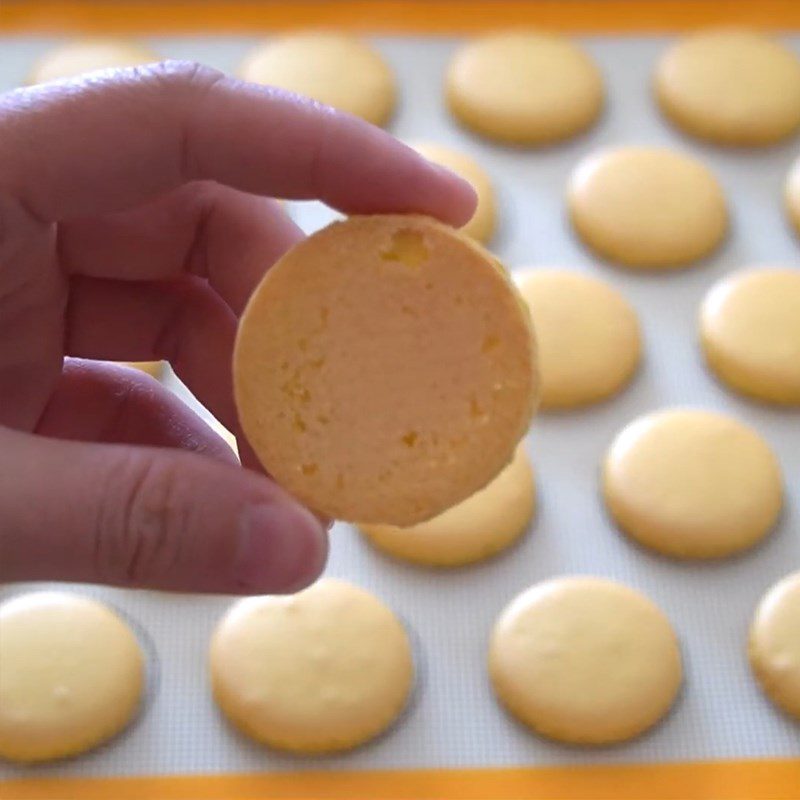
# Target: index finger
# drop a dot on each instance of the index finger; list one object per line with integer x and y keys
{"x": 110, "y": 141}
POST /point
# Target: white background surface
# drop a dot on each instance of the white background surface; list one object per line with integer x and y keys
{"x": 454, "y": 720}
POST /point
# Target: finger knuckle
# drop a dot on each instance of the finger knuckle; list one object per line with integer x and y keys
{"x": 149, "y": 522}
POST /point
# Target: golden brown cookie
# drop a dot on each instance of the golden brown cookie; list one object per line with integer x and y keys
{"x": 524, "y": 87}
{"x": 750, "y": 332}
{"x": 731, "y": 86}
{"x": 774, "y": 645}
{"x": 585, "y": 660}
{"x": 692, "y": 483}
{"x": 476, "y": 529}
{"x": 323, "y": 670}
{"x": 385, "y": 369}
{"x": 647, "y": 207}
{"x": 87, "y": 55}
{"x": 71, "y": 675}
{"x": 333, "y": 68}
{"x": 587, "y": 334}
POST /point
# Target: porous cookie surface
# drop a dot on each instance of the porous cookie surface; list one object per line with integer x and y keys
{"x": 71, "y": 675}
{"x": 524, "y": 87}
{"x": 338, "y": 70}
{"x": 774, "y": 646}
{"x": 384, "y": 369}
{"x": 482, "y": 224}
{"x": 75, "y": 58}
{"x": 750, "y": 332}
{"x": 475, "y": 529}
{"x": 647, "y": 207}
{"x": 692, "y": 484}
{"x": 585, "y": 660}
{"x": 731, "y": 86}
{"x": 326, "y": 669}
{"x": 587, "y": 334}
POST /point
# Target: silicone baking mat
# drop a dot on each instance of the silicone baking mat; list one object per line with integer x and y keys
{"x": 723, "y": 739}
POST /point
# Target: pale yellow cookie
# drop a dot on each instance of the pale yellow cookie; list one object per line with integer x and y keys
{"x": 750, "y": 332}
{"x": 731, "y": 86}
{"x": 792, "y": 195}
{"x": 692, "y": 484}
{"x": 476, "y": 529}
{"x": 384, "y": 369}
{"x": 647, "y": 207}
{"x": 587, "y": 333}
{"x": 323, "y": 670}
{"x": 333, "y": 68}
{"x": 154, "y": 368}
{"x": 585, "y": 660}
{"x": 483, "y": 222}
{"x": 524, "y": 87}
{"x": 774, "y": 646}
{"x": 71, "y": 675}
{"x": 74, "y": 58}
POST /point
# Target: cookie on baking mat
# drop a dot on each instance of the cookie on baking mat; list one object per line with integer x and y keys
{"x": 647, "y": 207}
{"x": 731, "y": 86}
{"x": 75, "y": 58}
{"x": 750, "y": 333}
{"x": 482, "y": 225}
{"x": 587, "y": 335}
{"x": 333, "y": 68}
{"x": 774, "y": 645}
{"x": 323, "y": 670}
{"x": 71, "y": 675}
{"x": 585, "y": 660}
{"x": 692, "y": 484}
{"x": 524, "y": 87}
{"x": 474, "y": 530}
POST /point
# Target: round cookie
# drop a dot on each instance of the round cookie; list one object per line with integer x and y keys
{"x": 323, "y": 670}
{"x": 692, "y": 484}
{"x": 750, "y": 333}
{"x": 483, "y": 222}
{"x": 71, "y": 678}
{"x": 75, "y": 58}
{"x": 774, "y": 646}
{"x": 524, "y": 87}
{"x": 332, "y": 68}
{"x": 587, "y": 335}
{"x": 585, "y": 660}
{"x": 647, "y": 207}
{"x": 384, "y": 369}
{"x": 154, "y": 368}
{"x": 792, "y": 195}
{"x": 731, "y": 86}
{"x": 474, "y": 530}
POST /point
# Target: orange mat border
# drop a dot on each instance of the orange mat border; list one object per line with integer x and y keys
{"x": 389, "y": 16}
{"x": 719, "y": 780}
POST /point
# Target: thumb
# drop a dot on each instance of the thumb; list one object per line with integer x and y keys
{"x": 148, "y": 517}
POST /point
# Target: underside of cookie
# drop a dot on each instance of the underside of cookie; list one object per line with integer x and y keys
{"x": 385, "y": 369}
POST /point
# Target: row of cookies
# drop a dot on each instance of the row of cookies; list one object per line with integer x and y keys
{"x": 687, "y": 483}
{"x": 590, "y": 343}
{"x": 332, "y": 667}
{"x": 730, "y": 86}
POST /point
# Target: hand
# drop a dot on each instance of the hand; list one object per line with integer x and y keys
{"x": 134, "y": 223}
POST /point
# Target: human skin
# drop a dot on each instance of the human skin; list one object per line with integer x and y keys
{"x": 135, "y": 220}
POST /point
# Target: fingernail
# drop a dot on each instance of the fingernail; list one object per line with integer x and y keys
{"x": 282, "y": 548}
